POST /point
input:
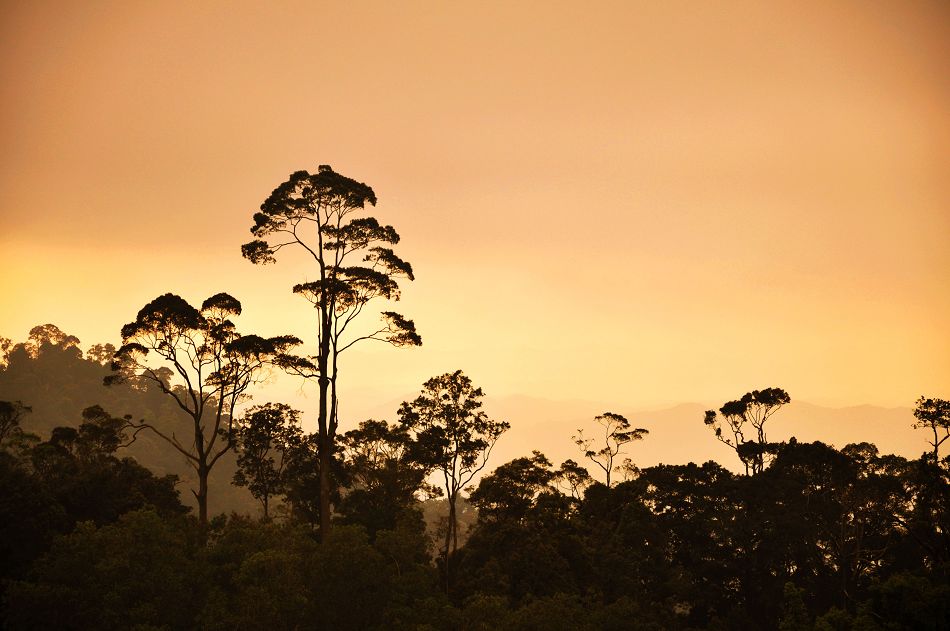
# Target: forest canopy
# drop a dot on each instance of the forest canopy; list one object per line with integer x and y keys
{"x": 832, "y": 539}
{"x": 411, "y": 524}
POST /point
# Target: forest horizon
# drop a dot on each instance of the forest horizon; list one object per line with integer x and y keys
{"x": 800, "y": 535}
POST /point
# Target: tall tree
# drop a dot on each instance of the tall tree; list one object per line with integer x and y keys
{"x": 214, "y": 364}
{"x": 454, "y": 436}
{"x": 751, "y": 411}
{"x": 319, "y": 214}
{"x": 616, "y": 433}
{"x": 934, "y": 414}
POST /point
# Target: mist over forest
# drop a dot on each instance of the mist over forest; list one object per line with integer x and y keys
{"x": 100, "y": 531}
{"x": 144, "y": 488}
{"x": 619, "y": 315}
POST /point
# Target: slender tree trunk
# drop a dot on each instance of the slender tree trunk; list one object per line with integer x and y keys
{"x": 323, "y": 450}
{"x": 449, "y": 531}
{"x": 325, "y": 455}
{"x": 449, "y": 526}
{"x": 324, "y": 444}
{"x": 202, "y": 494}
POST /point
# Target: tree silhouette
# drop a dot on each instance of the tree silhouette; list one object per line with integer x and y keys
{"x": 384, "y": 476}
{"x": 572, "y": 478}
{"x": 267, "y": 436}
{"x": 214, "y": 363}
{"x": 752, "y": 410}
{"x": 454, "y": 436}
{"x": 49, "y": 334}
{"x": 934, "y": 414}
{"x": 617, "y": 433}
{"x": 83, "y": 472}
{"x": 316, "y": 213}
{"x": 510, "y": 491}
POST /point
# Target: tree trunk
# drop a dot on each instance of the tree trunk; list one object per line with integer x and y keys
{"x": 324, "y": 442}
{"x": 202, "y": 495}
{"x": 325, "y": 455}
{"x": 450, "y": 529}
{"x": 323, "y": 451}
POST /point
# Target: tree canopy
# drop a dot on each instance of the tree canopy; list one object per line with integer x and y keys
{"x": 750, "y": 412}
{"x": 319, "y": 213}
{"x": 616, "y": 433}
{"x": 205, "y": 366}
{"x": 453, "y": 436}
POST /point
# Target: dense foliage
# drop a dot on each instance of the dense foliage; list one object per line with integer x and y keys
{"x": 820, "y": 538}
{"x": 94, "y": 533}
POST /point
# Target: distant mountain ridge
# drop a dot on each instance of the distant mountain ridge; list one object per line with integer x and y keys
{"x": 677, "y": 433}
{"x": 59, "y": 383}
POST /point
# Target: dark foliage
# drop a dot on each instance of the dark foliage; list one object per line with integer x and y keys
{"x": 815, "y": 538}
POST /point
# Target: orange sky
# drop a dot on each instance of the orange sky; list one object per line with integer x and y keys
{"x": 639, "y": 203}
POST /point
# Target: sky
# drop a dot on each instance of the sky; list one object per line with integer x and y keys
{"x": 633, "y": 203}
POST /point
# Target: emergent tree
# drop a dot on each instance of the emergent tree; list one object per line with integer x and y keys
{"x": 214, "y": 364}
{"x": 753, "y": 409}
{"x": 617, "y": 433}
{"x": 319, "y": 214}
{"x": 934, "y": 414}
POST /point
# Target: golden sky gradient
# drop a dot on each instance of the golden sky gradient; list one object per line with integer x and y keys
{"x": 634, "y": 202}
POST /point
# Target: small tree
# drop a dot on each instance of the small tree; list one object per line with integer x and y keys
{"x": 572, "y": 478}
{"x": 383, "y": 476}
{"x": 214, "y": 364}
{"x": 752, "y": 410}
{"x": 934, "y": 414}
{"x": 509, "y": 492}
{"x": 266, "y": 439}
{"x": 616, "y": 433}
{"x": 316, "y": 213}
{"x": 302, "y": 474}
{"x": 453, "y": 436}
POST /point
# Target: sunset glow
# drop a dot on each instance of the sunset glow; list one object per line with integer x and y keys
{"x": 636, "y": 203}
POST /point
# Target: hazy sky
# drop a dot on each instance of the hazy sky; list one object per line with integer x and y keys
{"x": 640, "y": 203}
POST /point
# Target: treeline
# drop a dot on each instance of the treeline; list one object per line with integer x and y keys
{"x": 57, "y": 379}
{"x": 809, "y": 537}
